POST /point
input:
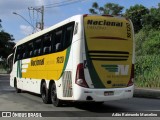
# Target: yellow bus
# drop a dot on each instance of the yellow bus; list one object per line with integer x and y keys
{"x": 85, "y": 58}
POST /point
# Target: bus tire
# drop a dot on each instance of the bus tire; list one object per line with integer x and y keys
{"x": 55, "y": 101}
{"x": 15, "y": 86}
{"x": 45, "y": 93}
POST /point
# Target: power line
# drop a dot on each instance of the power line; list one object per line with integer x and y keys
{"x": 62, "y": 3}
{"x": 32, "y": 22}
{"x": 56, "y": 3}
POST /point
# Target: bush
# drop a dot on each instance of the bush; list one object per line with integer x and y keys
{"x": 147, "y": 66}
{"x": 147, "y": 69}
{"x": 152, "y": 43}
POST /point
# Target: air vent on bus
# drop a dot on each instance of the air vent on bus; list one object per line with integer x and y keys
{"x": 108, "y": 55}
{"x": 67, "y": 84}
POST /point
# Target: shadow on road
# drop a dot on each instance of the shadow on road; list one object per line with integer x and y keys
{"x": 91, "y": 107}
{"x": 99, "y": 108}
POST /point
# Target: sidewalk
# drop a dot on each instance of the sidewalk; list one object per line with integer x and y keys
{"x": 147, "y": 93}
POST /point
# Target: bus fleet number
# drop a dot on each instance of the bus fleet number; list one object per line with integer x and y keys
{"x": 128, "y": 30}
{"x": 60, "y": 59}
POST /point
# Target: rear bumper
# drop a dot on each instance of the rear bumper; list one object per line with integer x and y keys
{"x": 85, "y": 94}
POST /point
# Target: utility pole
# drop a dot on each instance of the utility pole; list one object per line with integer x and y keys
{"x": 41, "y": 11}
{"x": 42, "y": 19}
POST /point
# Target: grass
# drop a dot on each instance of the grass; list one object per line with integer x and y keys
{"x": 147, "y": 71}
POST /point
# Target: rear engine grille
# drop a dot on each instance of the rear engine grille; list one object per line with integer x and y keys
{"x": 108, "y": 55}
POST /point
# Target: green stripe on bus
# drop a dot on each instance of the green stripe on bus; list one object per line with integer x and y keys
{"x": 19, "y": 69}
{"x": 66, "y": 61}
{"x": 93, "y": 74}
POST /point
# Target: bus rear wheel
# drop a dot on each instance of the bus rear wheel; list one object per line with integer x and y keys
{"x": 45, "y": 94}
{"x": 55, "y": 101}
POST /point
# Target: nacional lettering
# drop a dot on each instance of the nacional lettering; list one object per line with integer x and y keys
{"x": 105, "y": 23}
{"x": 37, "y": 62}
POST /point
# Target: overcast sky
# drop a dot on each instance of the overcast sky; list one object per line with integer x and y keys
{"x": 19, "y": 28}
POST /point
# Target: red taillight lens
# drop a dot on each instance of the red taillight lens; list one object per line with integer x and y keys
{"x": 80, "y": 80}
{"x": 85, "y": 15}
{"x": 131, "y": 81}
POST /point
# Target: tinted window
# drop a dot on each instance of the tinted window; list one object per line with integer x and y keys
{"x": 68, "y": 35}
{"x": 30, "y": 49}
{"x": 37, "y": 47}
{"x": 18, "y": 53}
{"x": 58, "y": 40}
{"x": 47, "y": 43}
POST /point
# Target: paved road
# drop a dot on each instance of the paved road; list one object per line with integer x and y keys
{"x": 12, "y": 101}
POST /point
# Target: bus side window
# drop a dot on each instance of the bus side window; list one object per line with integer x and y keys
{"x": 23, "y": 52}
{"x": 18, "y": 55}
{"x": 68, "y": 35}
{"x": 37, "y": 47}
{"x": 58, "y": 40}
{"x": 30, "y": 49}
{"x": 47, "y": 43}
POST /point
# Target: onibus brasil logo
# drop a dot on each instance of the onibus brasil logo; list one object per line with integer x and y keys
{"x": 117, "y": 69}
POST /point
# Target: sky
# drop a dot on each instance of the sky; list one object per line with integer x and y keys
{"x": 20, "y": 28}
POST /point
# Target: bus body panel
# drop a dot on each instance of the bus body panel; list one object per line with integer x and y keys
{"x": 99, "y": 95}
{"x": 109, "y": 51}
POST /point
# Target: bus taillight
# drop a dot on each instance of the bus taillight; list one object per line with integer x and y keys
{"x": 80, "y": 79}
{"x": 131, "y": 81}
{"x": 85, "y": 15}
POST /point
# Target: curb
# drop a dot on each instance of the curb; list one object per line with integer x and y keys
{"x": 147, "y": 93}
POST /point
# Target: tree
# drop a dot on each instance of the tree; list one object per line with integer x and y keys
{"x": 0, "y": 25}
{"x": 152, "y": 20}
{"x": 6, "y": 43}
{"x": 96, "y": 9}
{"x": 113, "y": 9}
{"x": 109, "y": 8}
{"x": 136, "y": 13}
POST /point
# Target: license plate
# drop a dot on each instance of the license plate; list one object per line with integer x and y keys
{"x": 108, "y": 93}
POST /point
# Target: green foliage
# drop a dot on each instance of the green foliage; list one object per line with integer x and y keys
{"x": 147, "y": 69}
{"x": 113, "y": 9}
{"x": 147, "y": 66}
{"x": 140, "y": 37}
{"x": 147, "y": 42}
{"x": 0, "y": 25}
{"x": 6, "y": 43}
{"x": 96, "y": 9}
{"x": 152, "y": 20}
{"x": 109, "y": 8}
{"x": 136, "y": 13}
{"x": 151, "y": 45}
